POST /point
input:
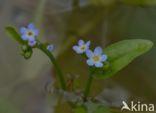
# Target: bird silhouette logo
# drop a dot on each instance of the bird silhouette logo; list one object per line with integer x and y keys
{"x": 125, "y": 106}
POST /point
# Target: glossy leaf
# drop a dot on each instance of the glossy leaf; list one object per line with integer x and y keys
{"x": 14, "y": 34}
{"x": 121, "y": 54}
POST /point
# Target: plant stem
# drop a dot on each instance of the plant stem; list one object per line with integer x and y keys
{"x": 56, "y": 66}
{"x": 88, "y": 85}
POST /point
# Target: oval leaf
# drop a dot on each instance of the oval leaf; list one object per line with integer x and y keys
{"x": 14, "y": 34}
{"x": 121, "y": 54}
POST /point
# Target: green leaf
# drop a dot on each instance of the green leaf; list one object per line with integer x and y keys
{"x": 80, "y": 110}
{"x": 121, "y": 54}
{"x": 14, "y": 34}
{"x": 102, "y": 109}
{"x": 140, "y": 2}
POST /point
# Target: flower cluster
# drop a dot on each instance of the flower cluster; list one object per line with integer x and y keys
{"x": 29, "y": 35}
{"x": 95, "y": 58}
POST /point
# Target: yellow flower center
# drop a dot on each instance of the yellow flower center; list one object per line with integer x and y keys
{"x": 30, "y": 33}
{"x": 83, "y": 47}
{"x": 96, "y": 58}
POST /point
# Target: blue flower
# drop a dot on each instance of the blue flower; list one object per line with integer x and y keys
{"x": 32, "y": 43}
{"x": 50, "y": 48}
{"x": 96, "y": 58}
{"x": 29, "y": 33}
{"x": 82, "y": 47}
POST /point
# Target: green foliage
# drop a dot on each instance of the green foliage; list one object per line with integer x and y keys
{"x": 103, "y": 2}
{"x": 11, "y": 31}
{"x": 140, "y": 2}
{"x": 129, "y": 2}
{"x": 80, "y": 110}
{"x": 96, "y": 108}
{"x": 101, "y": 109}
{"x": 91, "y": 107}
{"x": 26, "y": 51}
{"x": 7, "y": 107}
{"x": 121, "y": 54}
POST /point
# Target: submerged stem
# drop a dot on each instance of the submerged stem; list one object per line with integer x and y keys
{"x": 56, "y": 66}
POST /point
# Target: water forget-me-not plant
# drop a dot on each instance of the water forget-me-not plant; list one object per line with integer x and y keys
{"x": 118, "y": 55}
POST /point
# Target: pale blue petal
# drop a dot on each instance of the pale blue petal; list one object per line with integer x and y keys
{"x": 31, "y": 38}
{"x": 77, "y": 49}
{"x": 88, "y": 44}
{"x": 24, "y": 37}
{"x": 98, "y": 51}
{"x": 32, "y": 43}
{"x": 81, "y": 42}
{"x": 36, "y": 32}
{"x": 89, "y": 53}
{"x": 103, "y": 58}
{"x": 90, "y": 62}
{"x": 31, "y": 26}
{"x": 99, "y": 64}
{"x": 23, "y": 30}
